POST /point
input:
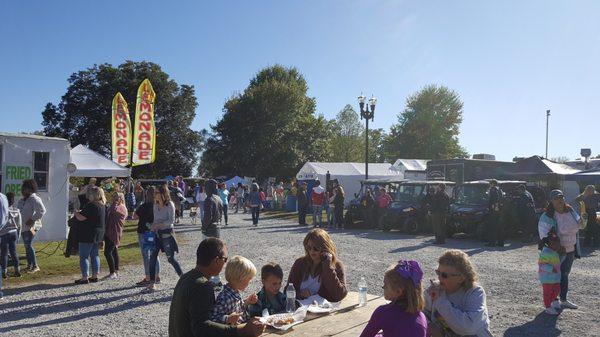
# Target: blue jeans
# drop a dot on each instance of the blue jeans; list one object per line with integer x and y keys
{"x": 565, "y": 270}
{"x": 330, "y": 210}
{"x": 89, "y": 250}
{"x": 255, "y": 214}
{"x": 168, "y": 245}
{"x": 9, "y": 244}
{"x": 29, "y": 251}
{"x": 317, "y": 215}
{"x": 146, "y": 253}
{"x": 201, "y": 209}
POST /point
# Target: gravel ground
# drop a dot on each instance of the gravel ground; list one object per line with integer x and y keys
{"x": 117, "y": 308}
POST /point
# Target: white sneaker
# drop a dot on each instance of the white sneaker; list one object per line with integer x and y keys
{"x": 551, "y": 311}
{"x": 112, "y": 276}
{"x": 568, "y": 305}
{"x": 555, "y": 304}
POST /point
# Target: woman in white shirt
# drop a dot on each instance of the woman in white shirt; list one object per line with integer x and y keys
{"x": 566, "y": 222}
{"x": 32, "y": 210}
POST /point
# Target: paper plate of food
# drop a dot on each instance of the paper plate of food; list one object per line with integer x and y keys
{"x": 284, "y": 321}
{"x": 318, "y": 305}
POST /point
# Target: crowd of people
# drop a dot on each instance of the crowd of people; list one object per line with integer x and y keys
{"x": 455, "y": 304}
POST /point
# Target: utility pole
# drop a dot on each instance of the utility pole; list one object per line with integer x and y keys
{"x": 547, "y": 119}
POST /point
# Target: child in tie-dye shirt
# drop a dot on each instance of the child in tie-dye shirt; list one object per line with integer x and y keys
{"x": 549, "y": 272}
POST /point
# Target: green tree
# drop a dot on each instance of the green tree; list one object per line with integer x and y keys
{"x": 347, "y": 142}
{"x": 428, "y": 127}
{"x": 83, "y": 115}
{"x": 377, "y": 146}
{"x": 268, "y": 130}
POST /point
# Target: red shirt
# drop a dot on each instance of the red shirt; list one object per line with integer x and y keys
{"x": 384, "y": 201}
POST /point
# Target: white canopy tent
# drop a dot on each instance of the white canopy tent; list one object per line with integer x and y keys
{"x": 348, "y": 175}
{"x": 92, "y": 164}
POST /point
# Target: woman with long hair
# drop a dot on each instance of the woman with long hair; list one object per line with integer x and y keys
{"x": 32, "y": 210}
{"x": 115, "y": 220}
{"x": 144, "y": 214}
{"x": 456, "y": 304}
{"x": 319, "y": 272}
{"x": 564, "y": 220}
{"x": 163, "y": 225}
{"x": 90, "y": 232}
{"x": 254, "y": 200}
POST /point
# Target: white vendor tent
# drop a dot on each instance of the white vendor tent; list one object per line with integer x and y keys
{"x": 234, "y": 181}
{"x": 348, "y": 175}
{"x": 93, "y": 164}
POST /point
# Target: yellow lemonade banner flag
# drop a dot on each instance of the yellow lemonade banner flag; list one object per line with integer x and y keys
{"x": 144, "y": 134}
{"x": 121, "y": 131}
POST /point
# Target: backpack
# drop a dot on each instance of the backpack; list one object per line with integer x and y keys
{"x": 13, "y": 221}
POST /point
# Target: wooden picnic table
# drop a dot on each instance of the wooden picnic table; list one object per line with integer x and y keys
{"x": 348, "y": 320}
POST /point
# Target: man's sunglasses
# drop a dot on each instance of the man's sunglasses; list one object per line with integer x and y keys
{"x": 445, "y": 275}
{"x": 224, "y": 258}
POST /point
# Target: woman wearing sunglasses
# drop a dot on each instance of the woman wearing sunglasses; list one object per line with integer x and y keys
{"x": 456, "y": 305}
{"x": 319, "y": 272}
{"x": 566, "y": 222}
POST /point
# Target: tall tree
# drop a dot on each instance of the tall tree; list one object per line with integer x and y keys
{"x": 377, "y": 146}
{"x": 347, "y": 142}
{"x": 428, "y": 127}
{"x": 83, "y": 115}
{"x": 268, "y": 130}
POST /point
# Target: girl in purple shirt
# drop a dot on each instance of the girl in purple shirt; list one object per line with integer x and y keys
{"x": 403, "y": 316}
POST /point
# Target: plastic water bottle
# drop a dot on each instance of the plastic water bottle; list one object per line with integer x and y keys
{"x": 362, "y": 292}
{"x": 290, "y": 293}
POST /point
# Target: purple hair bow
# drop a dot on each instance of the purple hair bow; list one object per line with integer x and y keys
{"x": 410, "y": 270}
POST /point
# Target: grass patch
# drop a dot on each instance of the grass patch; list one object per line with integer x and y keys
{"x": 53, "y": 263}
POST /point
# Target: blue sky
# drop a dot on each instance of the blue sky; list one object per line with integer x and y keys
{"x": 508, "y": 60}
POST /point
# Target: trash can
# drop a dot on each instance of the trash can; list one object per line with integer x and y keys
{"x": 291, "y": 204}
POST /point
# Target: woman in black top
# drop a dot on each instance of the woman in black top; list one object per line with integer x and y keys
{"x": 90, "y": 233}
{"x": 338, "y": 206}
{"x": 145, "y": 216}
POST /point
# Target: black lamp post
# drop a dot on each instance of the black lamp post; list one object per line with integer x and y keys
{"x": 366, "y": 114}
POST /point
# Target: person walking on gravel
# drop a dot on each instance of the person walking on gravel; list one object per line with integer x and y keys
{"x": 163, "y": 226}
{"x": 213, "y": 211}
{"x": 564, "y": 220}
{"x": 224, "y": 195}
{"x": 255, "y": 203}
{"x": 194, "y": 298}
{"x": 302, "y": 204}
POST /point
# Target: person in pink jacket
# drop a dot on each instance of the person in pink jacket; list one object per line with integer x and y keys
{"x": 116, "y": 215}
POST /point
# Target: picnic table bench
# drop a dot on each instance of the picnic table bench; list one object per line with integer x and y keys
{"x": 348, "y": 320}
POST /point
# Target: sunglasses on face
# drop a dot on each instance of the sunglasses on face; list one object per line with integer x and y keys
{"x": 313, "y": 248}
{"x": 224, "y": 258}
{"x": 445, "y": 275}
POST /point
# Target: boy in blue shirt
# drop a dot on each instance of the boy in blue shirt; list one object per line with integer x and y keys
{"x": 269, "y": 297}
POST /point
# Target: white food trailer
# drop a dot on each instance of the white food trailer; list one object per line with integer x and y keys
{"x": 46, "y": 160}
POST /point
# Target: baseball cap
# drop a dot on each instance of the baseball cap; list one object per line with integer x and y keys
{"x": 554, "y": 194}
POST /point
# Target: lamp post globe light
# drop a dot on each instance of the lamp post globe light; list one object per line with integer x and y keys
{"x": 367, "y": 114}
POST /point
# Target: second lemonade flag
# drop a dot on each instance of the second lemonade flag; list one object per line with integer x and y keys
{"x": 121, "y": 131}
{"x": 144, "y": 135}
